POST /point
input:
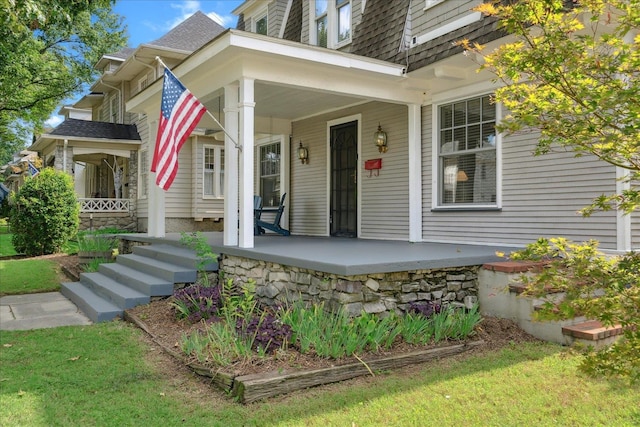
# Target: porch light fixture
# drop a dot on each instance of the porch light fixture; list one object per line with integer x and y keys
{"x": 303, "y": 154}
{"x": 380, "y": 139}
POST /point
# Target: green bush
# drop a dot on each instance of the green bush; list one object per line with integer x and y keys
{"x": 44, "y": 213}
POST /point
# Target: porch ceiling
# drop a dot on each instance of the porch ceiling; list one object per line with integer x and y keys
{"x": 292, "y": 80}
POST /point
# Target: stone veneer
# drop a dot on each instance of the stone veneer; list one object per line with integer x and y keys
{"x": 373, "y": 293}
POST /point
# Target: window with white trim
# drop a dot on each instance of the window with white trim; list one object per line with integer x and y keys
{"x": 270, "y": 161}
{"x": 331, "y": 23}
{"x": 213, "y": 172}
{"x": 143, "y": 175}
{"x": 467, "y": 153}
{"x": 113, "y": 109}
{"x": 260, "y": 23}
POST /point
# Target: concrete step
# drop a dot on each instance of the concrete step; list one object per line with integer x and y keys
{"x": 165, "y": 270}
{"x": 121, "y": 295}
{"x": 92, "y": 305}
{"x": 592, "y": 333}
{"x": 142, "y": 282}
{"x": 178, "y": 255}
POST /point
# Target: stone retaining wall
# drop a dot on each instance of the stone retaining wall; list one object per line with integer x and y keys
{"x": 97, "y": 221}
{"x": 373, "y": 293}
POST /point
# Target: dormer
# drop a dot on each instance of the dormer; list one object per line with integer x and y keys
{"x": 109, "y": 63}
{"x": 254, "y": 16}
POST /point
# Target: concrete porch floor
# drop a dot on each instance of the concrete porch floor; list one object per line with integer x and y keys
{"x": 345, "y": 256}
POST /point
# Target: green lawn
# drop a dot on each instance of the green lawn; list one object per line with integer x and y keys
{"x": 6, "y": 247}
{"x": 106, "y": 375}
{"x": 25, "y": 276}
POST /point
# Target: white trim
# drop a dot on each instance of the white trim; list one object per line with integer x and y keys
{"x": 357, "y": 118}
{"x": 623, "y": 222}
{"x": 218, "y": 194}
{"x": 428, "y": 4}
{"x": 263, "y": 12}
{"x": 285, "y": 18}
{"x": 435, "y": 158}
{"x": 415, "y": 171}
{"x": 447, "y": 28}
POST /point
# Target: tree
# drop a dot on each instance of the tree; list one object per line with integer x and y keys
{"x": 48, "y": 50}
{"x": 44, "y": 213}
{"x": 573, "y": 72}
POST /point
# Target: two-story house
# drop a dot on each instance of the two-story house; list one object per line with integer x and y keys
{"x": 377, "y": 127}
{"x": 106, "y": 148}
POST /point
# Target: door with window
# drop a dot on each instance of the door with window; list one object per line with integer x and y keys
{"x": 344, "y": 180}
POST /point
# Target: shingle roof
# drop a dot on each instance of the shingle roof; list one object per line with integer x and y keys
{"x": 444, "y": 46}
{"x": 191, "y": 34}
{"x": 91, "y": 129}
{"x": 293, "y": 28}
{"x": 381, "y": 30}
{"x": 380, "y": 33}
{"x": 123, "y": 53}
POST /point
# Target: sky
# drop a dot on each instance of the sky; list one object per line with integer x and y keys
{"x": 147, "y": 20}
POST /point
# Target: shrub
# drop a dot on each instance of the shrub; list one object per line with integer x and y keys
{"x": 197, "y": 302}
{"x": 44, "y": 213}
{"x": 265, "y": 332}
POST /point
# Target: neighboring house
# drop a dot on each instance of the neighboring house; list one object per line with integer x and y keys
{"x": 445, "y": 175}
{"x": 107, "y": 149}
{"x": 25, "y": 163}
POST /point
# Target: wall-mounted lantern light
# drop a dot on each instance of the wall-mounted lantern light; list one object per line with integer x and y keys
{"x": 303, "y": 154}
{"x": 380, "y": 138}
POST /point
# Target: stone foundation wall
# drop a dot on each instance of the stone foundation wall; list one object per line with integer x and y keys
{"x": 121, "y": 221}
{"x": 373, "y": 293}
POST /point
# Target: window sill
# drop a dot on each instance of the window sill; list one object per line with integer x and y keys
{"x": 466, "y": 209}
{"x": 213, "y": 197}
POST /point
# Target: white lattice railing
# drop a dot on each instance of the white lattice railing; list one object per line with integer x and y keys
{"x": 104, "y": 205}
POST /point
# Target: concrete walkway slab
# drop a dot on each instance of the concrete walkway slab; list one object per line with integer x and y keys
{"x": 36, "y": 311}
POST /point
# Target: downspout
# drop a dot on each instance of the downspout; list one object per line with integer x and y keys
{"x": 155, "y": 70}
{"x": 120, "y": 115}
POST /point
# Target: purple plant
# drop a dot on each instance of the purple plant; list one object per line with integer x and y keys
{"x": 267, "y": 331}
{"x": 426, "y": 308}
{"x": 197, "y": 302}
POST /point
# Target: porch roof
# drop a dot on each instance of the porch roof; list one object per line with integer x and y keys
{"x": 345, "y": 256}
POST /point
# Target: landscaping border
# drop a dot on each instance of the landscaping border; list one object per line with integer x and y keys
{"x": 253, "y": 387}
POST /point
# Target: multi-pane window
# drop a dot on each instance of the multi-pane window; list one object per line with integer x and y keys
{"x": 113, "y": 109}
{"x": 213, "y": 171}
{"x": 261, "y": 24}
{"x": 270, "y": 174}
{"x": 467, "y": 152}
{"x": 143, "y": 173}
{"x": 332, "y": 22}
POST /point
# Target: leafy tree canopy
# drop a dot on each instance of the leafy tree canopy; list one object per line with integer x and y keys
{"x": 572, "y": 71}
{"x": 48, "y": 49}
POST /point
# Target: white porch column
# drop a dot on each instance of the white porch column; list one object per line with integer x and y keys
{"x": 247, "y": 120}
{"x": 230, "y": 234}
{"x": 415, "y": 173}
{"x": 155, "y": 197}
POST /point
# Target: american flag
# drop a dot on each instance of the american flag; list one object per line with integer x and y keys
{"x": 179, "y": 114}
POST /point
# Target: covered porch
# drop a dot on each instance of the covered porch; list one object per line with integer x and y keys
{"x": 274, "y": 93}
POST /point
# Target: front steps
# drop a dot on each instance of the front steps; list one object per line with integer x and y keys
{"x": 499, "y": 297}
{"x": 133, "y": 279}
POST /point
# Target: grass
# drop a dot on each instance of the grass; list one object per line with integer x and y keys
{"x": 102, "y": 375}
{"x": 6, "y": 247}
{"x": 26, "y": 276}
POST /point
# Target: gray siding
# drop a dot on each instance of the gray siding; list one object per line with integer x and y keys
{"x": 635, "y": 230}
{"x": 423, "y": 21}
{"x": 276, "y": 17}
{"x": 384, "y": 199}
{"x": 540, "y": 197}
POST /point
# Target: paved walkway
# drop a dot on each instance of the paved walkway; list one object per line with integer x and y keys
{"x": 35, "y": 311}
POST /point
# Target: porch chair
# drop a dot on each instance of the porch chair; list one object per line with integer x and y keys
{"x": 260, "y": 225}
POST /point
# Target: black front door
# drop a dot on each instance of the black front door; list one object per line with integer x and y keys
{"x": 344, "y": 195}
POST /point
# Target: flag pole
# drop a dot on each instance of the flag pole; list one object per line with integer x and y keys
{"x": 239, "y": 147}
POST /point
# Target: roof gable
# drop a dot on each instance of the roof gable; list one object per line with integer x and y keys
{"x": 191, "y": 34}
